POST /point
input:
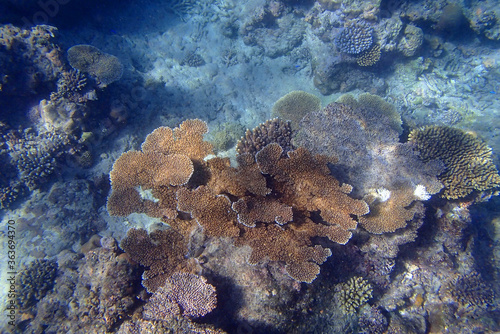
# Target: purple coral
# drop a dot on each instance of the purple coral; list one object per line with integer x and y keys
{"x": 183, "y": 293}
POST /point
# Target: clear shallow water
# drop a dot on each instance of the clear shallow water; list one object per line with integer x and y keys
{"x": 227, "y": 64}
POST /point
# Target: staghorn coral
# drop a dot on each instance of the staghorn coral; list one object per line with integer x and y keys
{"x": 105, "y": 68}
{"x": 271, "y": 131}
{"x": 162, "y": 251}
{"x": 72, "y": 85}
{"x": 35, "y": 280}
{"x": 468, "y": 161}
{"x": 183, "y": 293}
{"x": 353, "y": 294}
{"x": 369, "y": 57}
{"x": 355, "y": 38}
{"x": 295, "y": 105}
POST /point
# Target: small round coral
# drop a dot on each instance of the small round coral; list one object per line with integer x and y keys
{"x": 356, "y": 37}
{"x": 353, "y": 294}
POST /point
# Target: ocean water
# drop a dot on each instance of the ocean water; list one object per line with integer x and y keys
{"x": 267, "y": 166}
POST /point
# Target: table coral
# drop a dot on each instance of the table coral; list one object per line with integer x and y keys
{"x": 468, "y": 160}
{"x": 294, "y": 105}
{"x": 183, "y": 293}
{"x": 163, "y": 252}
{"x": 269, "y": 189}
{"x": 105, "y": 68}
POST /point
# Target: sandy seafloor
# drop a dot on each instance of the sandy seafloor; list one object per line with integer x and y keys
{"x": 451, "y": 79}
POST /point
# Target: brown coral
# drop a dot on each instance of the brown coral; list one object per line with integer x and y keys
{"x": 389, "y": 211}
{"x": 271, "y": 131}
{"x": 369, "y": 57}
{"x": 145, "y": 181}
{"x": 163, "y": 252}
{"x": 468, "y": 161}
{"x": 183, "y": 293}
{"x": 252, "y": 210}
{"x": 309, "y": 186}
{"x": 187, "y": 139}
{"x": 212, "y": 212}
{"x": 272, "y": 243}
{"x": 249, "y": 202}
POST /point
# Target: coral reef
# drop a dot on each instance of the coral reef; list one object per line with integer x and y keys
{"x": 91, "y": 291}
{"x": 31, "y": 159}
{"x": 469, "y": 291}
{"x": 353, "y": 294}
{"x": 295, "y": 105}
{"x": 35, "y": 281}
{"x": 29, "y": 61}
{"x": 163, "y": 252}
{"x": 369, "y": 57}
{"x": 468, "y": 160}
{"x": 225, "y": 204}
{"x": 103, "y": 67}
{"x": 272, "y": 131}
{"x": 373, "y": 158}
{"x": 411, "y": 41}
{"x": 355, "y": 38}
{"x": 192, "y": 59}
{"x": 183, "y": 294}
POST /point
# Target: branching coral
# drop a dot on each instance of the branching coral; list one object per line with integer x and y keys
{"x": 356, "y": 37}
{"x": 468, "y": 161}
{"x": 272, "y": 131}
{"x": 268, "y": 202}
{"x": 353, "y": 294}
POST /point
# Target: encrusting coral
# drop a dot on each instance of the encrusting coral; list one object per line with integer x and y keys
{"x": 468, "y": 160}
{"x": 267, "y": 202}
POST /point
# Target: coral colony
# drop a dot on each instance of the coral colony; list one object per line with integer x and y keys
{"x": 267, "y": 166}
